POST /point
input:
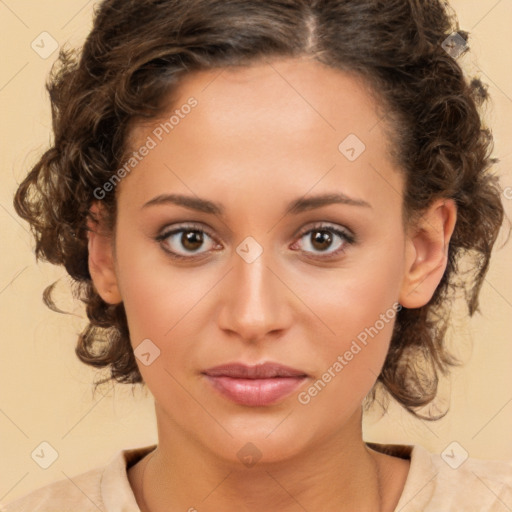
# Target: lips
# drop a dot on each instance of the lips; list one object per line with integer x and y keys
{"x": 260, "y": 371}
{"x": 256, "y": 386}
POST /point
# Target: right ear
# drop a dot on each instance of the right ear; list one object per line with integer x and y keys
{"x": 101, "y": 258}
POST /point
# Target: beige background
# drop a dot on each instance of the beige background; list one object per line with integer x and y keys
{"x": 46, "y": 394}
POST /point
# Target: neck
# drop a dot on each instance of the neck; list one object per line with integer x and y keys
{"x": 184, "y": 475}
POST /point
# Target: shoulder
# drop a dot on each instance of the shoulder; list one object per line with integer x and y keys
{"x": 81, "y": 492}
{"x": 453, "y": 481}
{"x": 471, "y": 483}
{"x": 105, "y": 488}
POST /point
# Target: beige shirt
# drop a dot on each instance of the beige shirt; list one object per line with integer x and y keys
{"x": 432, "y": 485}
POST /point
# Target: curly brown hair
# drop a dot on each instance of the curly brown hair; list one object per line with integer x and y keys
{"x": 133, "y": 59}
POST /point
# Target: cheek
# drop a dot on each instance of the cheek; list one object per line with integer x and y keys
{"x": 159, "y": 303}
{"x": 157, "y": 296}
{"x": 163, "y": 304}
{"x": 353, "y": 359}
{"x": 360, "y": 307}
{"x": 353, "y": 298}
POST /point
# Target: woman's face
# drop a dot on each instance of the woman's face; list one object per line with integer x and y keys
{"x": 314, "y": 287}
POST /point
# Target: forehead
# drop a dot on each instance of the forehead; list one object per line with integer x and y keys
{"x": 297, "y": 81}
{"x": 287, "y": 95}
{"x": 265, "y": 122}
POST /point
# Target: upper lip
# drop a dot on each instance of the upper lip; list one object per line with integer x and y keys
{"x": 259, "y": 371}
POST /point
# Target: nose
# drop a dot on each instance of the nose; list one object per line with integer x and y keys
{"x": 255, "y": 300}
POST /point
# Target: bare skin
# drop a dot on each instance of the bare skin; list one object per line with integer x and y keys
{"x": 259, "y": 138}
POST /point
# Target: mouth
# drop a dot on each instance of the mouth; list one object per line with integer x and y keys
{"x": 256, "y": 386}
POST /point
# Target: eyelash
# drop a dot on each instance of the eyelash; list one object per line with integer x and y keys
{"x": 347, "y": 238}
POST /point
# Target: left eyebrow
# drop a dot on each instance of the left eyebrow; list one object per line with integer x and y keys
{"x": 297, "y": 206}
{"x": 303, "y": 204}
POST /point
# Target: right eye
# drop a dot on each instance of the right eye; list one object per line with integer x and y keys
{"x": 184, "y": 241}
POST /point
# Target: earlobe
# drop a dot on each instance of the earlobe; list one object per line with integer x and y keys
{"x": 426, "y": 253}
{"x": 101, "y": 259}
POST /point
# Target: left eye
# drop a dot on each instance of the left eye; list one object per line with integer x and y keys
{"x": 320, "y": 238}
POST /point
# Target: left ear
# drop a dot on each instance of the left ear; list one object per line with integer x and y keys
{"x": 427, "y": 253}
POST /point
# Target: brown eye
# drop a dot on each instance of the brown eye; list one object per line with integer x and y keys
{"x": 321, "y": 238}
{"x": 191, "y": 240}
{"x": 185, "y": 241}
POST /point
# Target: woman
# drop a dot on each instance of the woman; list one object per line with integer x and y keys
{"x": 265, "y": 204}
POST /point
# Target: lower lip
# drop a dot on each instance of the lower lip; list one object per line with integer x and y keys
{"x": 255, "y": 392}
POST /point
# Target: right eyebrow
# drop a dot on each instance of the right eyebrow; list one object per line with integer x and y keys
{"x": 194, "y": 203}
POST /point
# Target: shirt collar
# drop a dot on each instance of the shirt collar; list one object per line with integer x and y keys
{"x": 118, "y": 496}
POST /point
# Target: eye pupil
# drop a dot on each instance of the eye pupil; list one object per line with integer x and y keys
{"x": 192, "y": 240}
{"x": 320, "y": 237}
